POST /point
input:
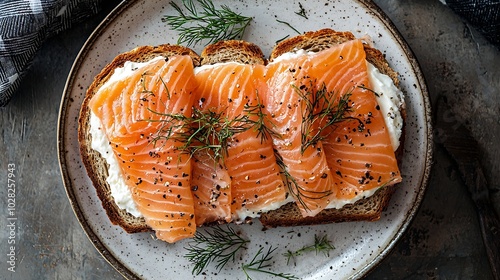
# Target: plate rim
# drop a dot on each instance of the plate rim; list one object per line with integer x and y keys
{"x": 427, "y": 114}
{"x": 61, "y": 121}
{"x": 122, "y": 268}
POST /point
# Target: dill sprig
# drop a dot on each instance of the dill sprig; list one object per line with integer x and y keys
{"x": 220, "y": 245}
{"x": 148, "y": 92}
{"x": 321, "y": 111}
{"x": 259, "y": 125}
{"x": 301, "y": 12}
{"x": 165, "y": 86}
{"x": 172, "y": 127}
{"x": 213, "y": 131}
{"x": 281, "y": 39}
{"x": 289, "y": 25}
{"x": 321, "y": 244}
{"x": 369, "y": 89}
{"x": 203, "y": 130}
{"x": 211, "y": 23}
{"x": 295, "y": 189}
{"x": 261, "y": 261}
{"x": 209, "y": 130}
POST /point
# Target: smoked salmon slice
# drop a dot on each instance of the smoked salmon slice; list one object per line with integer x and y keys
{"x": 231, "y": 91}
{"x": 137, "y": 116}
{"x": 359, "y": 149}
{"x": 306, "y": 168}
{"x": 211, "y": 188}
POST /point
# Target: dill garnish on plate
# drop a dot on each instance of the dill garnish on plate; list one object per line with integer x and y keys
{"x": 261, "y": 262}
{"x": 321, "y": 244}
{"x": 219, "y": 245}
{"x": 208, "y": 23}
{"x": 222, "y": 244}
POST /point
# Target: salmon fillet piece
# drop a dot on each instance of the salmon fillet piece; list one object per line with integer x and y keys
{"x": 136, "y": 115}
{"x": 231, "y": 90}
{"x": 359, "y": 149}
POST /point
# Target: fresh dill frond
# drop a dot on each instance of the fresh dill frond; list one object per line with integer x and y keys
{"x": 203, "y": 130}
{"x": 281, "y": 39}
{"x": 263, "y": 131}
{"x": 203, "y": 133}
{"x": 210, "y": 23}
{"x": 166, "y": 88}
{"x": 213, "y": 131}
{"x": 171, "y": 128}
{"x": 289, "y": 25}
{"x": 369, "y": 89}
{"x": 261, "y": 261}
{"x": 302, "y": 11}
{"x": 321, "y": 112}
{"x": 321, "y": 244}
{"x": 295, "y": 189}
{"x": 219, "y": 245}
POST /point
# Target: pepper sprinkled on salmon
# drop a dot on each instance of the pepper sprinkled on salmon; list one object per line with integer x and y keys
{"x": 158, "y": 173}
{"x": 233, "y": 140}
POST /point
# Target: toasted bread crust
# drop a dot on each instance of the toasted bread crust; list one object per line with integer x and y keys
{"x": 97, "y": 167}
{"x": 232, "y": 51}
{"x": 367, "y": 209}
{"x": 313, "y": 41}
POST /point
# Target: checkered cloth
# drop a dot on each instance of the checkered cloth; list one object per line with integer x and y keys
{"x": 24, "y": 25}
{"x": 484, "y": 15}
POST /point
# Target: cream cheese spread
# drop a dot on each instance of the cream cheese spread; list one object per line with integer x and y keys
{"x": 390, "y": 100}
{"x": 119, "y": 189}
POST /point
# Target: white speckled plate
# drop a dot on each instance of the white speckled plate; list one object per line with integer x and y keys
{"x": 359, "y": 246}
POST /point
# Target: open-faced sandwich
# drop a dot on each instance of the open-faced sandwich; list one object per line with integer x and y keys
{"x": 173, "y": 140}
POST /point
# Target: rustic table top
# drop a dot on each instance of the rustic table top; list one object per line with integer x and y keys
{"x": 443, "y": 241}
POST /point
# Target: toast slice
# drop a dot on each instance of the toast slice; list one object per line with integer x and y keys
{"x": 366, "y": 209}
{"x": 97, "y": 167}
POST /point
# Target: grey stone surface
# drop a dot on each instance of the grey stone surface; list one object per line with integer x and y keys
{"x": 443, "y": 241}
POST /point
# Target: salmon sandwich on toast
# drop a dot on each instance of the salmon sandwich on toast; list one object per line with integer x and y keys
{"x": 173, "y": 140}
